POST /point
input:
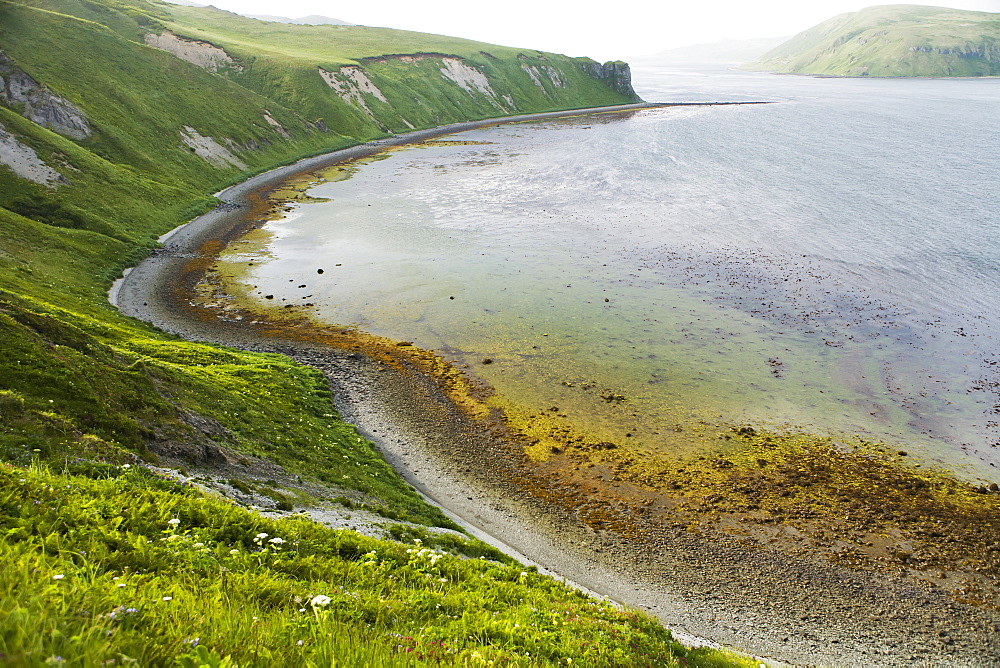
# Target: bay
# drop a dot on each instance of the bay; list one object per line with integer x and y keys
{"x": 828, "y": 262}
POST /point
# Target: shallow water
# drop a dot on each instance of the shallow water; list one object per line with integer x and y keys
{"x": 828, "y": 262}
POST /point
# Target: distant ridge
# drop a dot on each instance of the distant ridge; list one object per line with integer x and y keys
{"x": 893, "y": 41}
{"x": 311, "y": 20}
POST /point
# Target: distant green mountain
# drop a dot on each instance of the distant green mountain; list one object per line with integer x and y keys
{"x": 893, "y": 41}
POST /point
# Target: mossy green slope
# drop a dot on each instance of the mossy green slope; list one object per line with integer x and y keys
{"x": 894, "y": 41}
{"x": 404, "y": 66}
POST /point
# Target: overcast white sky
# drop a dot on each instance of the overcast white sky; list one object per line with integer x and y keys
{"x": 601, "y": 29}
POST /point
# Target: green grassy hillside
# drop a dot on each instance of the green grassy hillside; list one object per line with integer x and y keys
{"x": 894, "y": 41}
{"x": 118, "y": 118}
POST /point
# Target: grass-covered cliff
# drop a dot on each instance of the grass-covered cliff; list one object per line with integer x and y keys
{"x": 894, "y": 41}
{"x": 118, "y": 119}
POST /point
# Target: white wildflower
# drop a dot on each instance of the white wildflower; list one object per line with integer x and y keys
{"x": 320, "y": 601}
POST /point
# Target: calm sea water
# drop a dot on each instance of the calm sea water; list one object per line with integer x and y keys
{"x": 828, "y": 262}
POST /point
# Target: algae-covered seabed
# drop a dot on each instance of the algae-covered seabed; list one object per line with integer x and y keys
{"x": 657, "y": 378}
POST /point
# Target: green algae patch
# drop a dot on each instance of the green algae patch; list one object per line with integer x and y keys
{"x": 546, "y": 433}
{"x": 855, "y": 503}
{"x": 295, "y": 187}
{"x": 454, "y": 142}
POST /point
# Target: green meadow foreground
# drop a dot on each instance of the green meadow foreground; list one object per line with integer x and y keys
{"x": 107, "y": 140}
{"x": 112, "y": 565}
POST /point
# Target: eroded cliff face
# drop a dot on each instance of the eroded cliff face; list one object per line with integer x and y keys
{"x": 25, "y": 162}
{"x": 204, "y": 55}
{"x": 474, "y": 81}
{"x": 616, "y": 74}
{"x": 19, "y": 89}
{"x": 352, "y": 85}
{"x": 209, "y": 150}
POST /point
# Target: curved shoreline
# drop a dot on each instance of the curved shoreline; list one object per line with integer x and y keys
{"x": 737, "y": 594}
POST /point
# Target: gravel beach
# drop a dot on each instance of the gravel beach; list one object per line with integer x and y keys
{"x": 795, "y": 609}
